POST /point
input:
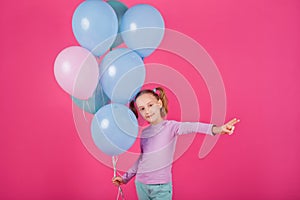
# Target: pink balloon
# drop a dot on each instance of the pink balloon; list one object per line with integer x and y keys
{"x": 76, "y": 71}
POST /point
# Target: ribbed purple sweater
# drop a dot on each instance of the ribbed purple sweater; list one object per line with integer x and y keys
{"x": 158, "y": 141}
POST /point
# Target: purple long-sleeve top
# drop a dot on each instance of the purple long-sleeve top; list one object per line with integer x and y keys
{"x": 158, "y": 141}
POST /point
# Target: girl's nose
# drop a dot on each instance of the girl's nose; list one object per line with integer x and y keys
{"x": 147, "y": 110}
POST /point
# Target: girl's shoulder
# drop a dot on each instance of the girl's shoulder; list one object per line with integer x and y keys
{"x": 164, "y": 124}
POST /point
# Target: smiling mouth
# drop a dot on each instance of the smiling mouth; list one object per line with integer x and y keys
{"x": 149, "y": 116}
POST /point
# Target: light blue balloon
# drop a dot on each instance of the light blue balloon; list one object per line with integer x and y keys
{"x": 95, "y": 102}
{"x": 122, "y": 74}
{"x": 142, "y": 29}
{"x": 95, "y": 26}
{"x": 114, "y": 129}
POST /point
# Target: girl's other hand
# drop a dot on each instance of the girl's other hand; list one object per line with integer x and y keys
{"x": 117, "y": 181}
{"x": 227, "y": 128}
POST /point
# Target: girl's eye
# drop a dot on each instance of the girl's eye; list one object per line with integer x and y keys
{"x": 142, "y": 109}
{"x": 150, "y": 105}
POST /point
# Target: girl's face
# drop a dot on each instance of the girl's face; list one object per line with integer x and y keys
{"x": 149, "y": 107}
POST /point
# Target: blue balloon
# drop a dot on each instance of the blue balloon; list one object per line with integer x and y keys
{"x": 95, "y": 26}
{"x": 119, "y": 9}
{"x": 122, "y": 74}
{"x": 95, "y": 102}
{"x": 142, "y": 29}
{"x": 114, "y": 129}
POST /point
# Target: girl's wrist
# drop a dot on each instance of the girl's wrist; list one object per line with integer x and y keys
{"x": 214, "y": 130}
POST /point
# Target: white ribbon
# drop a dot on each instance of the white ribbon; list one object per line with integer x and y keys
{"x": 114, "y": 162}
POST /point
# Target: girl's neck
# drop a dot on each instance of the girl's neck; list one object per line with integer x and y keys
{"x": 157, "y": 121}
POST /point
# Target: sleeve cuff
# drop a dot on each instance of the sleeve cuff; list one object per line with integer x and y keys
{"x": 211, "y": 129}
{"x": 125, "y": 178}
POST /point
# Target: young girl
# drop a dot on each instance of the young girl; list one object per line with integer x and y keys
{"x": 153, "y": 167}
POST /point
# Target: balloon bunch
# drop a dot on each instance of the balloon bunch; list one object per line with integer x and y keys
{"x": 105, "y": 89}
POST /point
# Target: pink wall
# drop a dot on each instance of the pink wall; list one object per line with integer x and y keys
{"x": 255, "y": 45}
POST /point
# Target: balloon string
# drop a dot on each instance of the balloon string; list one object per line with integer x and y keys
{"x": 88, "y": 106}
{"x": 83, "y": 112}
{"x": 120, "y": 191}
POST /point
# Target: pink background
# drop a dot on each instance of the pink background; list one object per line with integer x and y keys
{"x": 255, "y": 45}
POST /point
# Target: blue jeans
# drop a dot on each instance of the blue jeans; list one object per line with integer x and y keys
{"x": 154, "y": 191}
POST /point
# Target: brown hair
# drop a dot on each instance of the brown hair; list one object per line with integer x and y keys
{"x": 161, "y": 95}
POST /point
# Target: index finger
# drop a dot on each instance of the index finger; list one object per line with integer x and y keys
{"x": 233, "y": 122}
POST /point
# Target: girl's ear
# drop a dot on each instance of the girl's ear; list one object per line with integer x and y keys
{"x": 160, "y": 103}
